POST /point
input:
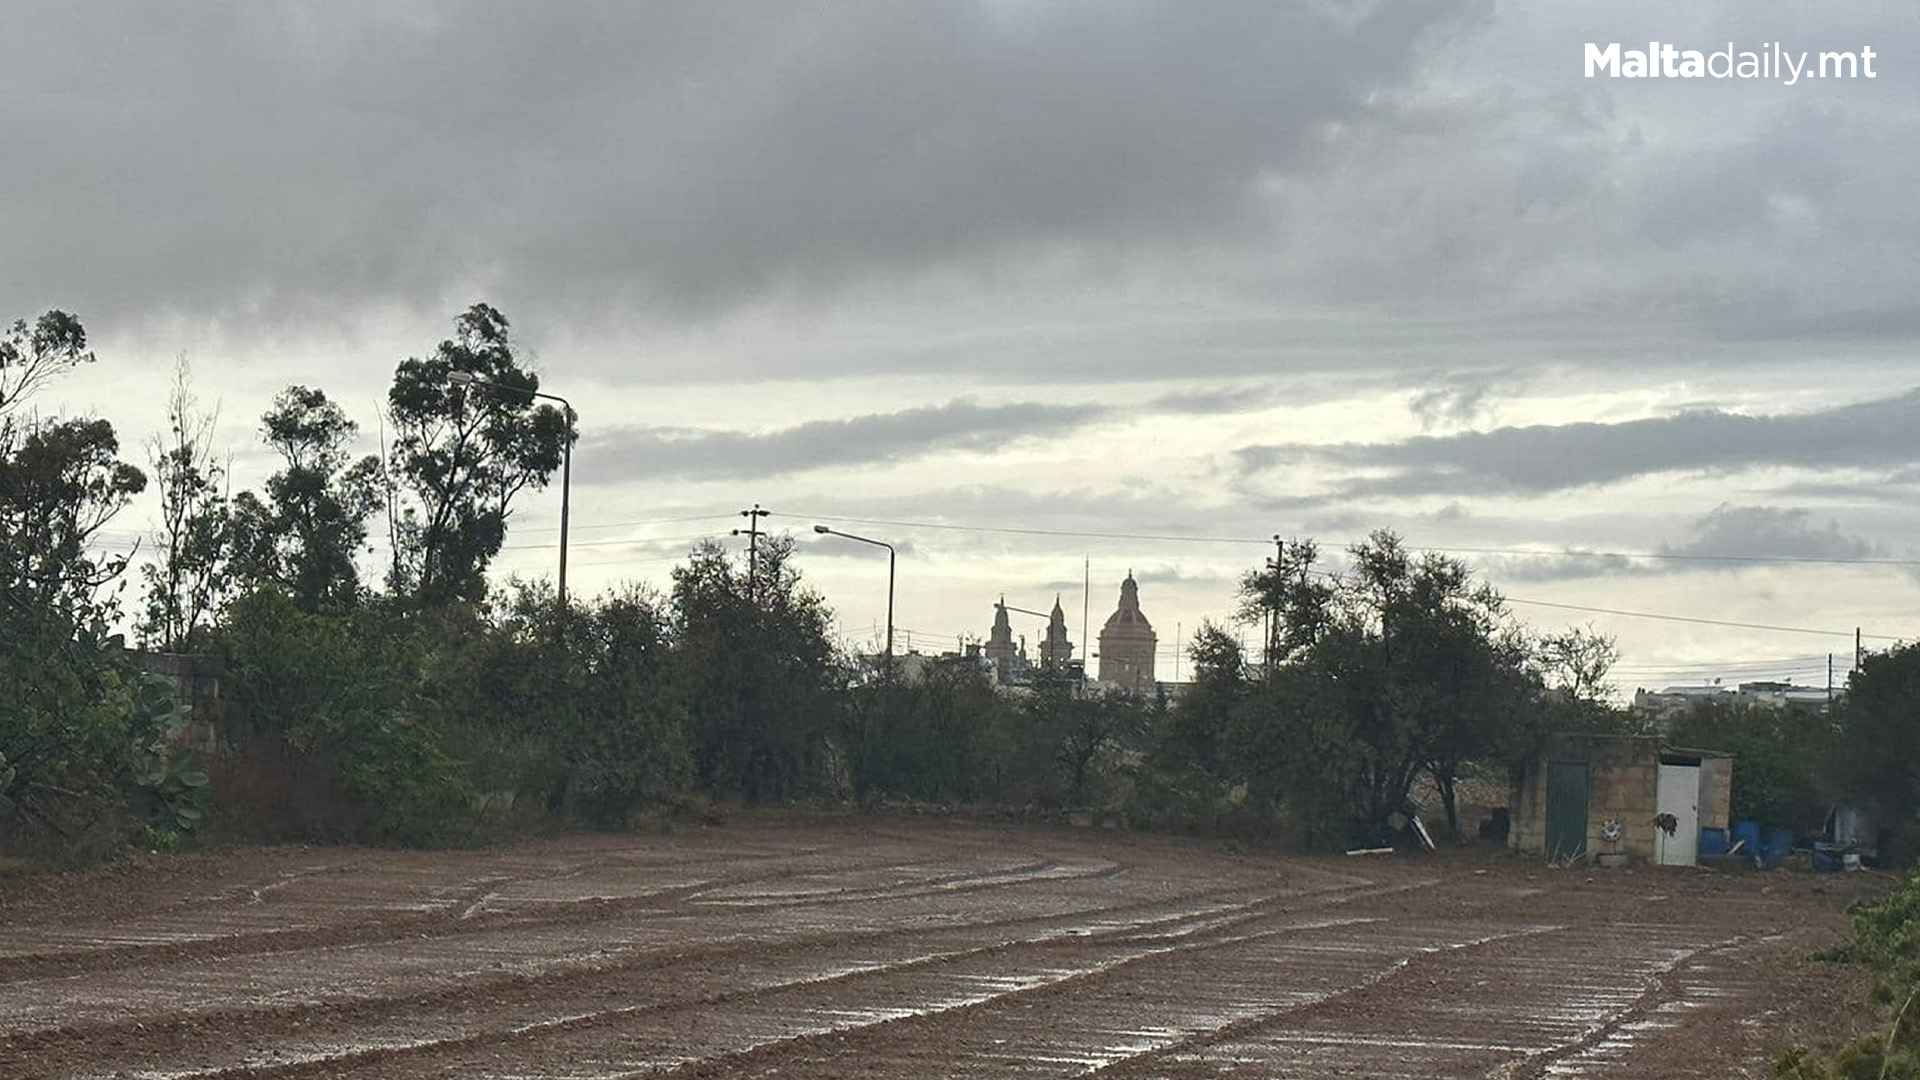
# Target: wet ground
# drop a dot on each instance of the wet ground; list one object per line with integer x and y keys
{"x": 910, "y": 950}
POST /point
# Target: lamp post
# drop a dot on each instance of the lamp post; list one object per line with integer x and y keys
{"x": 467, "y": 378}
{"x": 891, "y": 554}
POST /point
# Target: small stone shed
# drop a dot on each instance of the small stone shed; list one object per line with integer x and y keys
{"x": 1577, "y": 784}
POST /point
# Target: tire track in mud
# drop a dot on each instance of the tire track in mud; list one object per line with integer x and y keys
{"x": 983, "y": 974}
{"x": 571, "y": 991}
{"x": 1508, "y": 1007}
{"x": 1195, "y": 1047}
{"x": 1663, "y": 986}
{"x": 831, "y": 973}
{"x": 457, "y": 909}
{"x": 440, "y": 956}
{"x": 1107, "y": 1019}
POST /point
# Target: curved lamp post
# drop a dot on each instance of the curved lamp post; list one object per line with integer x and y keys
{"x": 891, "y": 554}
{"x": 467, "y": 378}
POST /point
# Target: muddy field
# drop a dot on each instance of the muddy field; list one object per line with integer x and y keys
{"x": 909, "y": 950}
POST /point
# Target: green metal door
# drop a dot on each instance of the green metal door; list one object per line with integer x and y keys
{"x": 1566, "y": 809}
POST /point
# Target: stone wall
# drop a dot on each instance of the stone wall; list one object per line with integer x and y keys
{"x": 1716, "y": 792}
{"x": 1623, "y": 783}
{"x": 196, "y": 683}
{"x": 1527, "y": 813}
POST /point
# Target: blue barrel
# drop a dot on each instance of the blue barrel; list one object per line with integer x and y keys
{"x": 1713, "y": 841}
{"x": 1775, "y": 845}
{"x": 1748, "y": 831}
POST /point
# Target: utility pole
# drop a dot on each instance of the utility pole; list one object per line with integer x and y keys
{"x": 1086, "y": 606}
{"x": 752, "y": 530}
{"x": 1273, "y": 609}
{"x": 1859, "y": 654}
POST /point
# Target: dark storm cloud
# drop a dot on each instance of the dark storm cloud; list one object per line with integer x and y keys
{"x": 1541, "y": 458}
{"x": 873, "y": 439}
{"x": 249, "y": 160}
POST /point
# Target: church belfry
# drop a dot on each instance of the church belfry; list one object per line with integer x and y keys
{"x": 1056, "y": 650}
{"x": 1009, "y": 659}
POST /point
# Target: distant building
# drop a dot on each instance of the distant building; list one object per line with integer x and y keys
{"x": 1056, "y": 651}
{"x": 1787, "y": 696}
{"x": 917, "y": 667}
{"x": 1127, "y": 643}
{"x": 1009, "y": 660}
{"x": 1661, "y": 706}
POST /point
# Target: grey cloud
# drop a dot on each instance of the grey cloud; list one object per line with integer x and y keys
{"x": 246, "y": 161}
{"x": 873, "y": 439}
{"x": 1167, "y": 575}
{"x": 1885, "y": 491}
{"x": 1141, "y": 508}
{"x": 1267, "y": 185}
{"x": 1230, "y": 399}
{"x": 1539, "y": 458}
{"x": 829, "y": 547}
{"x": 1458, "y": 399}
{"x": 1572, "y": 564}
{"x": 1769, "y": 532}
{"x": 1727, "y": 539}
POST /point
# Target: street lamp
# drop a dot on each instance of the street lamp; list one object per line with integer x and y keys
{"x": 468, "y": 378}
{"x": 891, "y": 554}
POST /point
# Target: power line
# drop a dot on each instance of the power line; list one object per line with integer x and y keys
{"x": 1703, "y": 665}
{"x": 636, "y": 523}
{"x": 1676, "y": 556}
{"x": 1820, "y": 662}
{"x": 1699, "y": 621}
{"x": 1188, "y": 538}
{"x": 634, "y": 540}
{"x": 1448, "y": 550}
{"x": 1249, "y": 540}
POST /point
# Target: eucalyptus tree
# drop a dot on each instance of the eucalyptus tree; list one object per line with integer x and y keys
{"x": 463, "y": 449}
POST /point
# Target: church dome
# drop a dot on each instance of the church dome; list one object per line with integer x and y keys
{"x": 1129, "y": 613}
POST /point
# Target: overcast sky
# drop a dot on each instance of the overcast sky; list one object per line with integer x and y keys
{"x": 1215, "y": 270}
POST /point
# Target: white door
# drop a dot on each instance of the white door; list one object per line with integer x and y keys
{"x": 1680, "y": 796}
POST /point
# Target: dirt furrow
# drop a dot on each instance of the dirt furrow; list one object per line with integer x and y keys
{"x": 581, "y": 988}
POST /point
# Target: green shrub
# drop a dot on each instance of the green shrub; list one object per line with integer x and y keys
{"x": 345, "y": 686}
{"x": 1885, "y": 938}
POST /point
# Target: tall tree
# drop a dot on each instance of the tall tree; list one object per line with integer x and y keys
{"x": 188, "y": 574}
{"x": 304, "y": 536}
{"x": 1875, "y": 743}
{"x": 463, "y": 448}
{"x": 1402, "y": 664}
{"x": 61, "y": 480}
{"x": 31, "y": 355}
{"x": 66, "y": 702}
